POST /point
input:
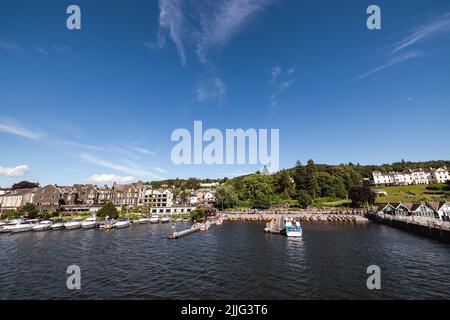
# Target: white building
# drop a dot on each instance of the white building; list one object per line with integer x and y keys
{"x": 16, "y": 198}
{"x": 412, "y": 177}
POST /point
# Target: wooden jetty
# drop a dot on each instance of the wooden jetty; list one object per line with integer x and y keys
{"x": 179, "y": 234}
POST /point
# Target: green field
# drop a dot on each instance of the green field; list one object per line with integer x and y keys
{"x": 420, "y": 193}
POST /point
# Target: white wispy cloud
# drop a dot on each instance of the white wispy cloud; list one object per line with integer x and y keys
{"x": 41, "y": 51}
{"x": 131, "y": 170}
{"x": 11, "y": 46}
{"x": 18, "y": 171}
{"x": 160, "y": 170}
{"x": 432, "y": 29}
{"x": 225, "y": 20}
{"x": 12, "y": 126}
{"x": 276, "y": 71}
{"x": 279, "y": 83}
{"x": 211, "y": 24}
{"x": 83, "y": 145}
{"x": 143, "y": 151}
{"x": 401, "y": 58}
{"x": 108, "y": 178}
{"x": 210, "y": 88}
{"x": 171, "y": 20}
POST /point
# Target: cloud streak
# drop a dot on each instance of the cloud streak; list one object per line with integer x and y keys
{"x": 11, "y": 46}
{"x": 171, "y": 20}
{"x": 425, "y": 32}
{"x": 393, "y": 62}
{"x": 11, "y": 126}
{"x": 131, "y": 170}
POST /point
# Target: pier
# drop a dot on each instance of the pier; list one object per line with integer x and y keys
{"x": 179, "y": 234}
{"x": 431, "y": 228}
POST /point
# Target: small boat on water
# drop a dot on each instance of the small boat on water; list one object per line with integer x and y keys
{"x": 73, "y": 224}
{"x": 24, "y": 226}
{"x": 122, "y": 223}
{"x": 144, "y": 220}
{"x": 58, "y": 225}
{"x": 294, "y": 229}
{"x": 43, "y": 226}
{"x": 165, "y": 219}
{"x": 154, "y": 218}
{"x": 219, "y": 221}
{"x": 89, "y": 223}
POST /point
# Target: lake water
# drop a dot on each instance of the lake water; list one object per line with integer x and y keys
{"x": 232, "y": 261}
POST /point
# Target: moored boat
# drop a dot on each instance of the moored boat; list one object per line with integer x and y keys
{"x": 89, "y": 223}
{"x": 165, "y": 219}
{"x": 154, "y": 218}
{"x": 294, "y": 229}
{"x": 24, "y": 226}
{"x": 58, "y": 225}
{"x": 73, "y": 224}
{"x": 7, "y": 227}
{"x": 122, "y": 223}
{"x": 144, "y": 220}
{"x": 43, "y": 226}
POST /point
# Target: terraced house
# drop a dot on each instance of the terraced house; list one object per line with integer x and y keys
{"x": 439, "y": 210}
{"x": 14, "y": 199}
{"x": 412, "y": 177}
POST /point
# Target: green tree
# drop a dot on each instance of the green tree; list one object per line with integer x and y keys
{"x": 258, "y": 189}
{"x": 10, "y": 214}
{"x": 304, "y": 199}
{"x": 226, "y": 197}
{"x": 284, "y": 184}
{"x": 362, "y": 195}
{"x": 108, "y": 210}
{"x": 29, "y": 211}
{"x": 198, "y": 214}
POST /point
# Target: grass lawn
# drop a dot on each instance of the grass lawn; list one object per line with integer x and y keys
{"x": 412, "y": 193}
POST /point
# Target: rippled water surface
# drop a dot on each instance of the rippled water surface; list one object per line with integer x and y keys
{"x": 232, "y": 261}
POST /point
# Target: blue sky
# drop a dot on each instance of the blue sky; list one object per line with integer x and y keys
{"x": 99, "y": 104}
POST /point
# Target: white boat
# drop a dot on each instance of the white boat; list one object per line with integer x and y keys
{"x": 143, "y": 220}
{"x": 154, "y": 218}
{"x": 219, "y": 221}
{"x": 106, "y": 225}
{"x": 294, "y": 229}
{"x": 7, "y": 228}
{"x": 165, "y": 219}
{"x": 122, "y": 223}
{"x": 58, "y": 225}
{"x": 43, "y": 226}
{"x": 89, "y": 223}
{"x": 73, "y": 224}
{"x": 24, "y": 226}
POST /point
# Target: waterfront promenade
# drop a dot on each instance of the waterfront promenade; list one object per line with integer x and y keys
{"x": 300, "y": 216}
